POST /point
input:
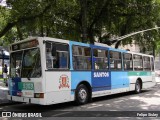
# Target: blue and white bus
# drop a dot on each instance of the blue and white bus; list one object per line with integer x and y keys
{"x": 48, "y": 71}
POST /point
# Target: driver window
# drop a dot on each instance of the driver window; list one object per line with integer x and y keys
{"x": 49, "y": 57}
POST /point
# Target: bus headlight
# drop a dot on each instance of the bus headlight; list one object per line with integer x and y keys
{"x": 38, "y": 95}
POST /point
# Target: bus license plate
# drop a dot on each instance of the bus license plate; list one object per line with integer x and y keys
{"x": 26, "y": 86}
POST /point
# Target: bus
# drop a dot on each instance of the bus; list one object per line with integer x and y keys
{"x": 48, "y": 71}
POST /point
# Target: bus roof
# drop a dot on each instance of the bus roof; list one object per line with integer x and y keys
{"x": 86, "y": 44}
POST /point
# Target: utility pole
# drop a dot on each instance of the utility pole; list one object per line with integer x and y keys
{"x": 134, "y": 33}
{"x": 114, "y": 41}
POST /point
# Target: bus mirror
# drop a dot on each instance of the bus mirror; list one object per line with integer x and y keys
{"x": 54, "y": 51}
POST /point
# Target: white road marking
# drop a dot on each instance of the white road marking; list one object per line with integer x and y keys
{"x": 61, "y": 114}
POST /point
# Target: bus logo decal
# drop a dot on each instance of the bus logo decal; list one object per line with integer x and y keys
{"x": 101, "y": 74}
{"x": 64, "y": 81}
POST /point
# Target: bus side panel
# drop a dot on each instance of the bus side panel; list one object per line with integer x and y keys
{"x": 58, "y": 87}
{"x": 132, "y": 82}
{"x": 119, "y": 83}
{"x": 77, "y": 77}
{"x": 119, "y": 80}
{"x": 147, "y": 82}
{"x": 145, "y": 76}
{"x": 101, "y": 80}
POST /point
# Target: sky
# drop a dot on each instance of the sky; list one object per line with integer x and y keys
{"x": 3, "y": 2}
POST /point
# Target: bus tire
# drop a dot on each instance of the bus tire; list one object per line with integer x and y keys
{"x": 82, "y": 94}
{"x": 138, "y": 87}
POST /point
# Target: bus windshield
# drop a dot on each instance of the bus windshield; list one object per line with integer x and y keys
{"x": 26, "y": 63}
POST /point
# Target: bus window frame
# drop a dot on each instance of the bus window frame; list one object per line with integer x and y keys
{"x": 22, "y": 60}
{"x": 147, "y": 69}
{"x": 56, "y": 69}
{"x": 91, "y": 67}
{"x": 137, "y": 69}
{"x": 130, "y": 61}
{"x": 107, "y": 57}
{"x": 117, "y": 69}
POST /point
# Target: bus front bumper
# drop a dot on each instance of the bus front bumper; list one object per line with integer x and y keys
{"x": 40, "y": 101}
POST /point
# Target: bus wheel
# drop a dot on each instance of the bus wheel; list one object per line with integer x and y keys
{"x": 82, "y": 94}
{"x": 138, "y": 87}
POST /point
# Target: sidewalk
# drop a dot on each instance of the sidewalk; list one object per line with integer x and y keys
{"x": 3, "y": 93}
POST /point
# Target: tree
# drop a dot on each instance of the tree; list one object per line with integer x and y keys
{"x": 81, "y": 20}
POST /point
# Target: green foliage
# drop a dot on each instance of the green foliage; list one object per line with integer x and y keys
{"x": 71, "y": 19}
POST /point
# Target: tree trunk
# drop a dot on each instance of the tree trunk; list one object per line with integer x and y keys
{"x": 154, "y": 51}
{"x": 91, "y": 37}
{"x": 41, "y": 27}
{"x": 19, "y": 32}
{"x": 124, "y": 30}
{"x": 84, "y": 20}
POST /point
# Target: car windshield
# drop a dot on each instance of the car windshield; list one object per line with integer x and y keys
{"x": 26, "y": 63}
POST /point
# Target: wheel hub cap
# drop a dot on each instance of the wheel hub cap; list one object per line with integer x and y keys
{"x": 82, "y": 94}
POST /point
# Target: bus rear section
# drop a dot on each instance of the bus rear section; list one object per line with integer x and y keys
{"x": 39, "y": 72}
{"x": 26, "y": 83}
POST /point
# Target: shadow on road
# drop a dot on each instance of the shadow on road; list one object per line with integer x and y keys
{"x": 62, "y": 106}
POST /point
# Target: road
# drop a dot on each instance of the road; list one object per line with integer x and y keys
{"x": 113, "y": 107}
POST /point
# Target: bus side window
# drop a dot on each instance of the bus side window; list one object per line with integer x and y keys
{"x": 63, "y": 60}
{"x": 138, "y": 62}
{"x": 57, "y": 55}
{"x": 127, "y": 61}
{"x": 81, "y": 58}
{"x": 147, "y": 64}
{"x": 100, "y": 59}
{"x": 115, "y": 60}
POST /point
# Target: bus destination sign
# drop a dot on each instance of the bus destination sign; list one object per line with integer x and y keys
{"x": 24, "y": 45}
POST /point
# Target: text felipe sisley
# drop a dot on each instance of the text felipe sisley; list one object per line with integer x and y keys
{"x": 149, "y": 114}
